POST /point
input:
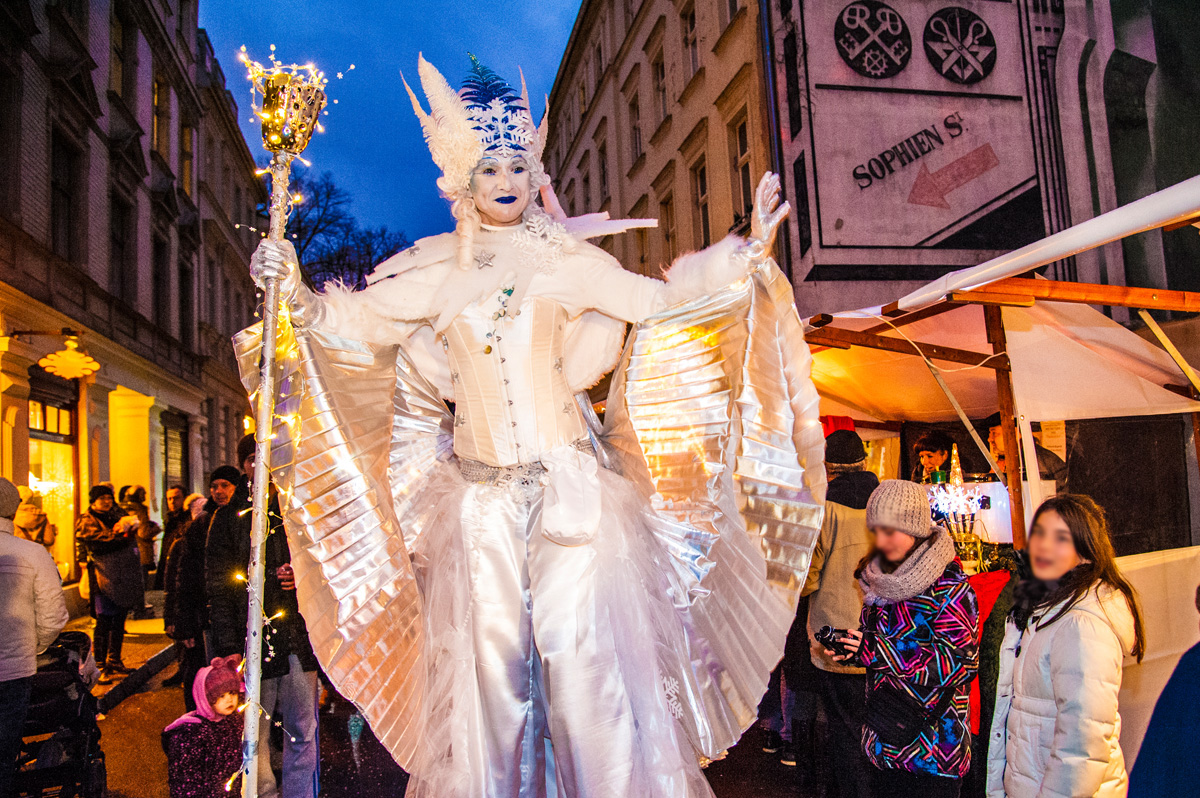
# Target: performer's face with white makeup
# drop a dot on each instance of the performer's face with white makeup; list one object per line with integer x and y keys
{"x": 500, "y": 187}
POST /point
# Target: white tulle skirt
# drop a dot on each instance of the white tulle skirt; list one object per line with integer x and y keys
{"x": 544, "y": 674}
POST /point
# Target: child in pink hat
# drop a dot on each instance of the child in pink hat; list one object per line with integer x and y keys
{"x": 204, "y": 747}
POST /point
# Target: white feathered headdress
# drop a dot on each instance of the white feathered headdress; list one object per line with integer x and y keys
{"x": 486, "y": 117}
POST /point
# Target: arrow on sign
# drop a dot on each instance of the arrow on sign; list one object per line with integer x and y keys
{"x": 931, "y": 188}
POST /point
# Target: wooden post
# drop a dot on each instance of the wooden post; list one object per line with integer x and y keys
{"x": 1008, "y": 425}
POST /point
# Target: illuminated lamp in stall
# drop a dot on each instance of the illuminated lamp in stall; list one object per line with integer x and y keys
{"x": 70, "y": 363}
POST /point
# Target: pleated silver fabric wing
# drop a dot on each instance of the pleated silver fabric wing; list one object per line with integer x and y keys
{"x": 357, "y": 429}
{"x": 712, "y": 412}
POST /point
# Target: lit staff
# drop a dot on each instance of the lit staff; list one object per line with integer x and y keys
{"x": 293, "y": 97}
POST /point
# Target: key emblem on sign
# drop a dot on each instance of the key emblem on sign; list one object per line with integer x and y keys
{"x": 960, "y": 45}
{"x": 872, "y": 39}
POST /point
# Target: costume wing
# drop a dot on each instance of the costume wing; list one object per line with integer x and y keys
{"x": 357, "y": 432}
{"x": 713, "y": 414}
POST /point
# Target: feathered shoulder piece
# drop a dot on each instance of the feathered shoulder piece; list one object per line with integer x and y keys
{"x": 423, "y": 253}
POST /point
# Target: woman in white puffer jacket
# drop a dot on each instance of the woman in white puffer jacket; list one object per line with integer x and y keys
{"x": 1056, "y": 729}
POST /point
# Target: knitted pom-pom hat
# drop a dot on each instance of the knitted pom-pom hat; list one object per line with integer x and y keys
{"x": 222, "y": 678}
{"x": 903, "y": 506}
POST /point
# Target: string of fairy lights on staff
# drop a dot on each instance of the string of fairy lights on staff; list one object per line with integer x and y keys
{"x": 293, "y": 99}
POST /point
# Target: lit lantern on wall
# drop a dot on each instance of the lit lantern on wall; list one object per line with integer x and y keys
{"x": 70, "y": 363}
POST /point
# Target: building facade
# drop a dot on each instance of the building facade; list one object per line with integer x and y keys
{"x": 658, "y": 111}
{"x": 122, "y": 175}
{"x": 917, "y": 137}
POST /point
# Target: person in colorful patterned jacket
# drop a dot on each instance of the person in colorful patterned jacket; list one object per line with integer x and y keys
{"x": 918, "y": 643}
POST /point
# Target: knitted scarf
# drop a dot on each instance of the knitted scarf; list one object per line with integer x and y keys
{"x": 924, "y": 566}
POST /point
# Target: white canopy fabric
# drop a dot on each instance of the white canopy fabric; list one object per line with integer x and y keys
{"x": 1068, "y": 362}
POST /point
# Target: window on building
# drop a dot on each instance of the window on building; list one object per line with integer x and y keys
{"x": 658, "y": 80}
{"x": 211, "y": 300}
{"x": 64, "y": 200}
{"x": 666, "y": 223}
{"x": 160, "y": 123}
{"x": 228, "y": 303}
{"x": 8, "y": 142}
{"x": 186, "y": 158}
{"x": 160, "y": 282}
{"x": 635, "y": 127}
{"x": 121, "y": 282}
{"x": 581, "y": 100}
{"x": 187, "y": 308}
{"x": 585, "y": 183}
{"x": 46, "y": 417}
{"x": 186, "y": 22}
{"x": 703, "y": 230}
{"x": 116, "y": 59}
{"x": 602, "y": 169}
{"x": 729, "y": 9}
{"x": 743, "y": 188}
{"x": 691, "y": 48}
{"x": 598, "y": 61}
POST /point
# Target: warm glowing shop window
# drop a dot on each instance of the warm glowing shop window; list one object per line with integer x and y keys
{"x": 52, "y": 476}
{"x": 48, "y": 418}
{"x": 52, "y": 472}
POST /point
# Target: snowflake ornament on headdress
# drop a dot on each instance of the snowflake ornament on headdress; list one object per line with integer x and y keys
{"x": 487, "y": 117}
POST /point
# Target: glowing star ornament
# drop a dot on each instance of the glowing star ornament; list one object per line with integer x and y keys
{"x": 70, "y": 363}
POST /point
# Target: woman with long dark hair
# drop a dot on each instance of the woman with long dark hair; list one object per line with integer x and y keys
{"x": 1056, "y": 729}
{"x": 919, "y": 645}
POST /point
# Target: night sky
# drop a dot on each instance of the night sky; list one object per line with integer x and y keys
{"x": 372, "y": 143}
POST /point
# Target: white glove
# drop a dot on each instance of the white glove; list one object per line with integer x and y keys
{"x": 765, "y": 219}
{"x": 278, "y": 260}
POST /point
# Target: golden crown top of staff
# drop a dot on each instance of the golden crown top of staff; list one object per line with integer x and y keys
{"x": 293, "y": 100}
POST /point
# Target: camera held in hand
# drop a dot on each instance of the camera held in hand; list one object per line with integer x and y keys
{"x": 831, "y": 639}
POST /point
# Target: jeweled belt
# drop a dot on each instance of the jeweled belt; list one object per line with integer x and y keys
{"x": 525, "y": 476}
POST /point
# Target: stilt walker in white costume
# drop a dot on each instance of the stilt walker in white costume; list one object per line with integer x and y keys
{"x": 521, "y": 601}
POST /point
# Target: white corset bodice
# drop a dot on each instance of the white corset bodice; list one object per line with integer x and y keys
{"x": 513, "y": 402}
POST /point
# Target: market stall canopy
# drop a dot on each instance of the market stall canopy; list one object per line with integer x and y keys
{"x": 1068, "y": 361}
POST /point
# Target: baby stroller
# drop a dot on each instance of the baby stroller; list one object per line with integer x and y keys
{"x": 60, "y": 749}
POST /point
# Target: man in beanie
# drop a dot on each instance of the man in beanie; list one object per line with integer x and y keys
{"x": 836, "y": 600}
{"x": 32, "y": 613}
{"x": 289, "y": 672}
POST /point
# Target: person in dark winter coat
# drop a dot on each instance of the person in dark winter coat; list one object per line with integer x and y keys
{"x": 918, "y": 643}
{"x": 177, "y": 517}
{"x": 1167, "y": 763}
{"x": 185, "y": 607}
{"x": 114, "y": 573}
{"x": 835, "y": 600}
{"x": 996, "y": 592}
{"x": 289, "y": 671}
{"x": 204, "y": 746}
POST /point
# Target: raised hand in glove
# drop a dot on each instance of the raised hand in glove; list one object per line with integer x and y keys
{"x": 277, "y": 260}
{"x": 766, "y": 217}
